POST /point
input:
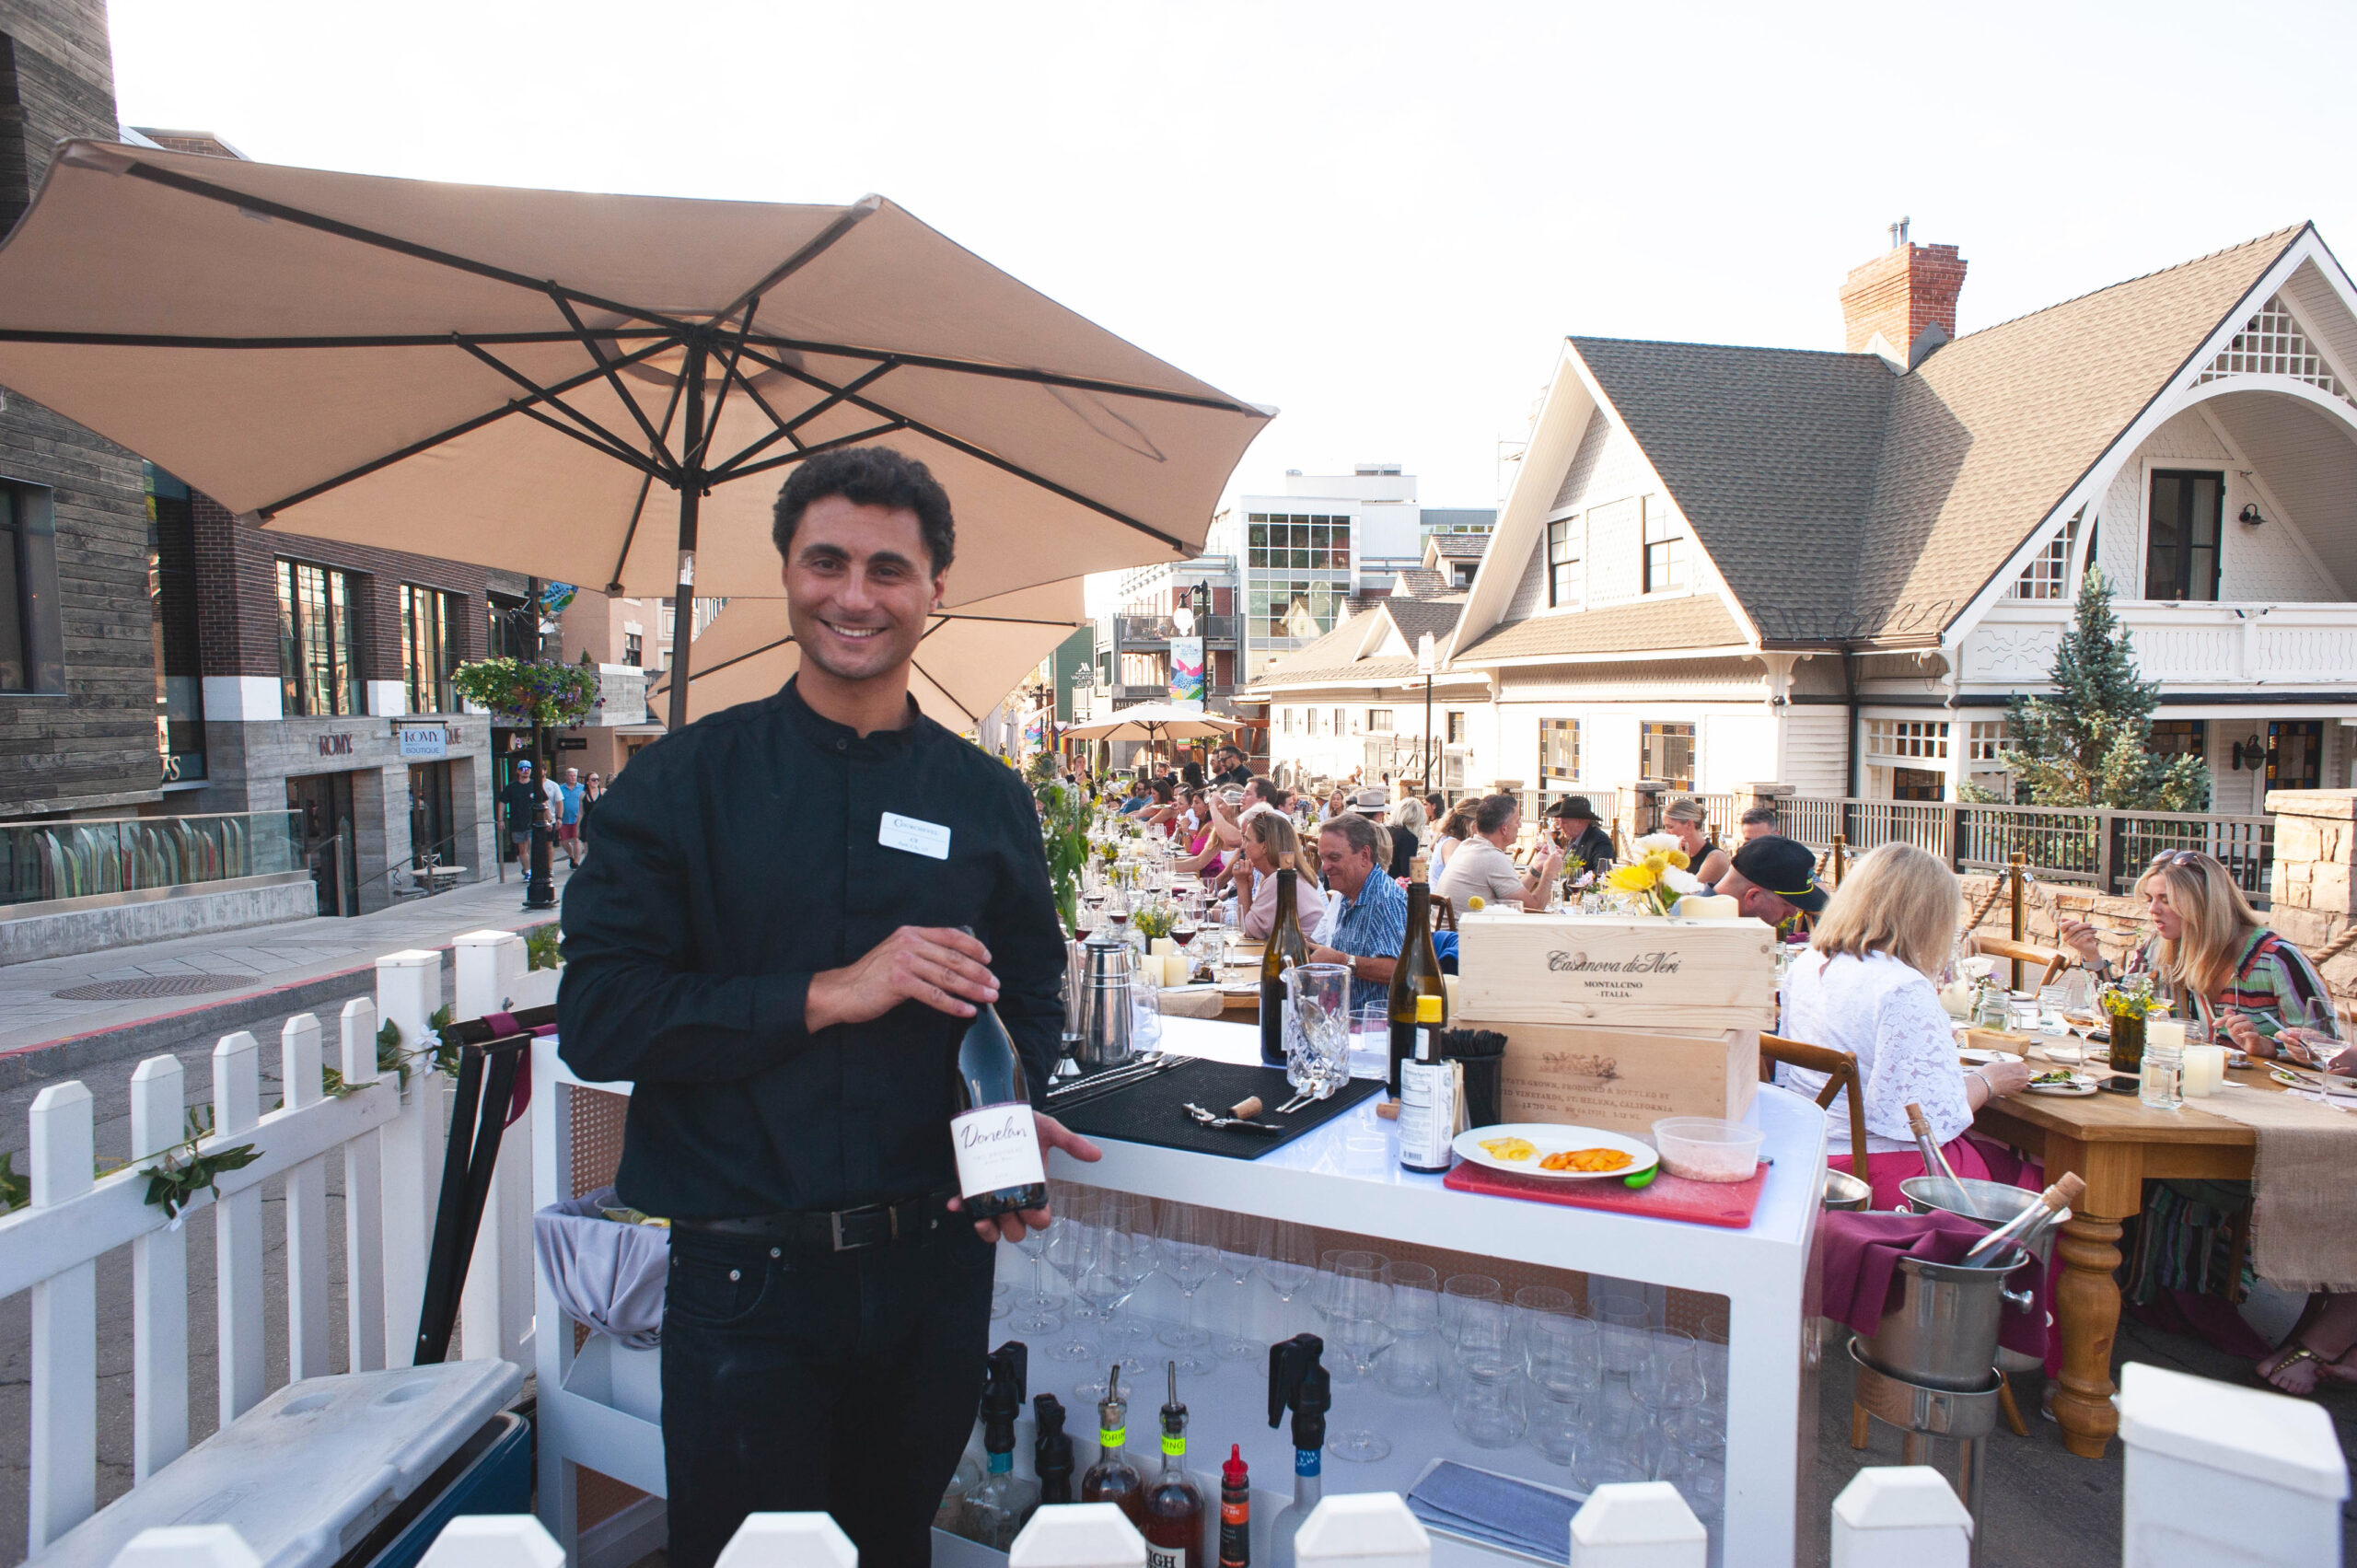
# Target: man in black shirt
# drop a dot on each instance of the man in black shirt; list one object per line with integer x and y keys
{"x": 1229, "y": 761}
{"x": 524, "y": 800}
{"x": 766, "y": 943}
{"x": 1576, "y": 832}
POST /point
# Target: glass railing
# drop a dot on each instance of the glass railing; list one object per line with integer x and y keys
{"x": 41, "y": 861}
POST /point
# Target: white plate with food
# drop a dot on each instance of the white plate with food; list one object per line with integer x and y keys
{"x": 1977, "y": 1056}
{"x": 2065, "y": 1053}
{"x": 2061, "y": 1082}
{"x": 1578, "y": 1154}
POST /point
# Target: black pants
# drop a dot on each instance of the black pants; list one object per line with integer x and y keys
{"x": 845, "y": 1382}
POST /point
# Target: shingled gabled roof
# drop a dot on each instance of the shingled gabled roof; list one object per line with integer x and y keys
{"x": 1353, "y": 650}
{"x": 1843, "y": 502}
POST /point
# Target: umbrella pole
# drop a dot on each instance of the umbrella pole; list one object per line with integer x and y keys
{"x": 683, "y": 605}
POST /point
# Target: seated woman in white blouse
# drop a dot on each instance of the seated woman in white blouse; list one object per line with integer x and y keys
{"x": 1865, "y": 987}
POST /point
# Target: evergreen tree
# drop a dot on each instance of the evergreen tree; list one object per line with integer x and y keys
{"x": 2088, "y": 743}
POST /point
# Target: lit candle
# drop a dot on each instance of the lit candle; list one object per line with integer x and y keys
{"x": 2205, "y": 1068}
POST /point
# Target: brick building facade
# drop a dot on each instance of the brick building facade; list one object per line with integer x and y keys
{"x": 77, "y": 677}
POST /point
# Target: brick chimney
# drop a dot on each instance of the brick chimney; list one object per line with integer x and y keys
{"x": 1900, "y": 293}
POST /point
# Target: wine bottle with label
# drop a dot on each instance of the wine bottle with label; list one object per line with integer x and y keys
{"x": 1287, "y": 947}
{"x": 999, "y": 1167}
{"x": 1416, "y": 975}
{"x": 1428, "y": 1099}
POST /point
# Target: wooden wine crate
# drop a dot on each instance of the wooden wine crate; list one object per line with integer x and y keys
{"x": 1607, "y": 971}
{"x": 1624, "y": 1080}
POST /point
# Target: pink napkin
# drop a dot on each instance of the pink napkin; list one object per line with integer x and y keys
{"x": 1862, "y": 1251}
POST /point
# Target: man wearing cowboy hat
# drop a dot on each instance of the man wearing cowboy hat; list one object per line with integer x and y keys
{"x": 1571, "y": 821}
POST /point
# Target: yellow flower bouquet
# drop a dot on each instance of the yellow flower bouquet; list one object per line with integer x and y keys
{"x": 1659, "y": 875}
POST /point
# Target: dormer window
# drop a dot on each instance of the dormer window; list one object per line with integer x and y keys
{"x": 2181, "y": 540}
{"x": 1563, "y": 563}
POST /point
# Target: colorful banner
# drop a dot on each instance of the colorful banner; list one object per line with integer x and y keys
{"x": 1187, "y": 685}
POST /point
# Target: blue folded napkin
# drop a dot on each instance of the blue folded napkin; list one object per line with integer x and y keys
{"x": 1496, "y": 1508}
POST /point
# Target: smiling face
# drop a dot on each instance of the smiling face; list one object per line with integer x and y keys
{"x": 859, "y": 586}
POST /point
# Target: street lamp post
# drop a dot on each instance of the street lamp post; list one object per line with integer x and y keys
{"x": 539, "y": 873}
{"x": 1424, "y": 668}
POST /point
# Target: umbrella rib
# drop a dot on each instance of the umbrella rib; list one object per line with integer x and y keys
{"x": 1005, "y": 620}
{"x": 376, "y": 340}
{"x": 977, "y": 453}
{"x": 645, "y": 486}
{"x": 598, "y": 436}
{"x": 187, "y": 186}
{"x": 816, "y": 246}
{"x": 937, "y": 686}
{"x": 799, "y": 453}
{"x": 588, "y": 341}
{"x": 463, "y": 427}
{"x": 727, "y": 376}
{"x": 786, "y": 428}
{"x": 1016, "y": 373}
{"x": 740, "y": 658}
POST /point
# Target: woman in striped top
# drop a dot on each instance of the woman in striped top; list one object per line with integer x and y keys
{"x": 2255, "y": 988}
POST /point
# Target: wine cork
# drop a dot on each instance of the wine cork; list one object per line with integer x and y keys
{"x": 1388, "y": 1110}
{"x": 1247, "y": 1108}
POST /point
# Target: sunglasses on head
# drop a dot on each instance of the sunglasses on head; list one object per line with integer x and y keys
{"x": 2177, "y": 857}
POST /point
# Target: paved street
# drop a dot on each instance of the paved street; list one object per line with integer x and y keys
{"x": 255, "y": 962}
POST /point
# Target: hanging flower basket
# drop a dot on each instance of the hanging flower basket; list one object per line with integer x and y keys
{"x": 528, "y": 692}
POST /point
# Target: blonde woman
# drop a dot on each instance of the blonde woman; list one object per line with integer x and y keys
{"x": 1685, "y": 821}
{"x": 1865, "y": 987}
{"x": 1272, "y": 845}
{"x": 2261, "y": 992}
{"x": 1454, "y": 828}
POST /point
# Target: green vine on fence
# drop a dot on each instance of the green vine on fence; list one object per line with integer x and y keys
{"x": 184, "y": 1170}
{"x": 543, "y": 948}
{"x": 391, "y": 1057}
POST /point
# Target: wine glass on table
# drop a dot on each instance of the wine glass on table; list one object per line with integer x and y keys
{"x": 1070, "y": 1248}
{"x": 1288, "y": 1257}
{"x": 1238, "y": 1257}
{"x": 1124, "y": 1260}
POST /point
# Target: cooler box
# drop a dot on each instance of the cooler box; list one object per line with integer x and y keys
{"x": 490, "y": 1473}
{"x": 307, "y": 1475}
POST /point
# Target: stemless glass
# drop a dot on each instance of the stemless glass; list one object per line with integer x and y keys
{"x": 1486, "y": 1407}
{"x": 1626, "y": 1321}
{"x": 1360, "y": 1301}
{"x": 1189, "y": 1248}
{"x": 1566, "y": 1369}
{"x": 1670, "y": 1377}
{"x": 1411, "y": 1368}
{"x": 1454, "y": 1296}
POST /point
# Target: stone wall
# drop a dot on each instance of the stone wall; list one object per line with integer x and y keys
{"x": 2314, "y": 885}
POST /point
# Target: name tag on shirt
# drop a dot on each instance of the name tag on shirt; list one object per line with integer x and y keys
{"x": 918, "y": 838}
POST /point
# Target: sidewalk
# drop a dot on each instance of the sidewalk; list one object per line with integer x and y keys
{"x": 268, "y": 969}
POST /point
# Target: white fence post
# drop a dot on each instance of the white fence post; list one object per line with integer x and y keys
{"x": 1078, "y": 1535}
{"x": 159, "y": 1286}
{"x": 236, "y": 1230}
{"x": 409, "y": 986}
{"x": 788, "y": 1540}
{"x": 307, "y": 1211}
{"x": 2218, "y": 1471}
{"x": 494, "y": 1541}
{"x": 1643, "y": 1524}
{"x": 65, "y": 1329}
{"x": 187, "y": 1546}
{"x": 495, "y": 1309}
{"x": 1363, "y": 1529}
{"x": 1900, "y": 1517}
{"x": 364, "y": 1216}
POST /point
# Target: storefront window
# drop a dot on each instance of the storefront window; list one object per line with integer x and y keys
{"x": 171, "y": 603}
{"x": 430, "y": 623}
{"x": 319, "y": 639}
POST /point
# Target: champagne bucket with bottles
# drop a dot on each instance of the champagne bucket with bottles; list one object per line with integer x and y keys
{"x": 1105, "y": 1002}
{"x": 1943, "y": 1332}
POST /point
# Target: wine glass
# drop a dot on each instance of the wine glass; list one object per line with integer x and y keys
{"x": 1070, "y": 1248}
{"x": 1239, "y": 1255}
{"x": 1288, "y": 1256}
{"x": 1359, "y": 1302}
{"x": 1123, "y": 1259}
{"x": 1189, "y": 1250}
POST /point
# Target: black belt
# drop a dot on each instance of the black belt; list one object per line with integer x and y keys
{"x": 838, "y": 1230}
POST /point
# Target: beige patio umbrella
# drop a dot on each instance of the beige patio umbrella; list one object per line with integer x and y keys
{"x": 515, "y": 377}
{"x": 1154, "y": 722}
{"x": 971, "y": 658}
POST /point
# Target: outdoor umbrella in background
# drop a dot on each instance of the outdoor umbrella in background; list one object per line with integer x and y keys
{"x": 1154, "y": 722}
{"x": 538, "y": 379}
{"x": 971, "y": 656}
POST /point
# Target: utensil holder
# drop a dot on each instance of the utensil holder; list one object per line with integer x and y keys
{"x": 1485, "y": 1089}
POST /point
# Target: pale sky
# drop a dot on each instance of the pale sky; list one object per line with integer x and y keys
{"x": 1379, "y": 217}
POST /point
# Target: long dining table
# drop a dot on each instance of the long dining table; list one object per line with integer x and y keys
{"x": 2115, "y": 1143}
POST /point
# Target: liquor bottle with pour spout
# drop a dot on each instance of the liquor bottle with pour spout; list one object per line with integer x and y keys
{"x": 997, "y": 1143}
{"x": 1173, "y": 1511}
{"x": 1112, "y": 1479}
{"x": 1415, "y": 976}
{"x": 996, "y": 1511}
{"x": 1298, "y": 1383}
{"x": 1287, "y": 947}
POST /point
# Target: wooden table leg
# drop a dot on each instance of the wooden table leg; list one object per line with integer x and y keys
{"x": 2086, "y": 1310}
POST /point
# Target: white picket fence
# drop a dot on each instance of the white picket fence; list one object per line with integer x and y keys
{"x": 390, "y": 1143}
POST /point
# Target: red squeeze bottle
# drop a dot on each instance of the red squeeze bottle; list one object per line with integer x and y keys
{"x": 1235, "y": 1511}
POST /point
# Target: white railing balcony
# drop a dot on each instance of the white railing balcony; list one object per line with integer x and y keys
{"x": 2298, "y": 647}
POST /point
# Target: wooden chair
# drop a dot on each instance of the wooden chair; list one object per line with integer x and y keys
{"x": 2045, "y": 962}
{"x": 1841, "y": 1070}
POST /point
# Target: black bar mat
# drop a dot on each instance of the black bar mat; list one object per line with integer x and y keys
{"x": 1149, "y": 1111}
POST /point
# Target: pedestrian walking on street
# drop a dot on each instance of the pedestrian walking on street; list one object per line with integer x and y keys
{"x": 523, "y": 802}
{"x": 568, "y": 815}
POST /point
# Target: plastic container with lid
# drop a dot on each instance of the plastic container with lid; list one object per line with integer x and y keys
{"x": 1708, "y": 1148}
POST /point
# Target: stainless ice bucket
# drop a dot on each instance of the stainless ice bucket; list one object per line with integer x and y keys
{"x": 1986, "y": 1203}
{"x": 1846, "y": 1192}
{"x": 1105, "y": 1003}
{"x": 1943, "y": 1332}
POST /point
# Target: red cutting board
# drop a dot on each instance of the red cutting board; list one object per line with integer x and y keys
{"x": 1667, "y": 1197}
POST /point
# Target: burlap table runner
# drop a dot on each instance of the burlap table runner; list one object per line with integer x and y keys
{"x": 2303, "y": 1236}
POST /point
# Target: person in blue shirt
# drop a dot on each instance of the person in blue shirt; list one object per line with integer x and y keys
{"x": 1137, "y": 800}
{"x": 568, "y": 815}
{"x": 1372, "y": 923}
